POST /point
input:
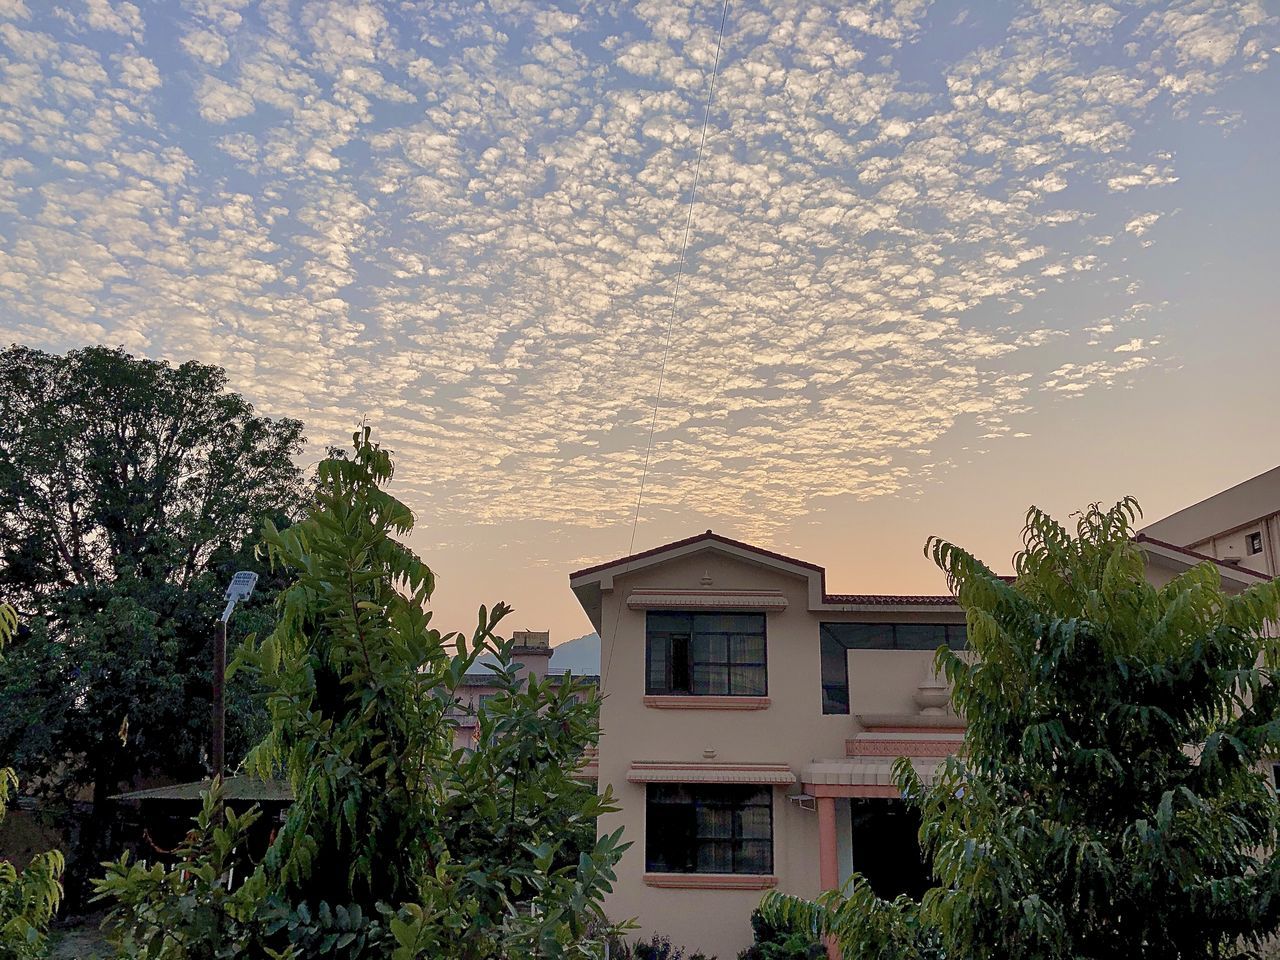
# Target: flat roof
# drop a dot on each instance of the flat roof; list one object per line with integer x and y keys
{"x": 1235, "y": 507}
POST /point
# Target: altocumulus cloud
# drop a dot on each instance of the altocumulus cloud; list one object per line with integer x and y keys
{"x": 463, "y": 221}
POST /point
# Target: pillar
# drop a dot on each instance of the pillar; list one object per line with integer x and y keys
{"x": 828, "y": 863}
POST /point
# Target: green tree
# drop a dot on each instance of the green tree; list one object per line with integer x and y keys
{"x": 1110, "y": 802}
{"x": 397, "y": 844}
{"x": 129, "y": 489}
{"x": 28, "y": 897}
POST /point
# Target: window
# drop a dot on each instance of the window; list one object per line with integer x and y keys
{"x": 1253, "y": 543}
{"x": 706, "y": 654}
{"x": 708, "y": 828}
{"x": 836, "y": 639}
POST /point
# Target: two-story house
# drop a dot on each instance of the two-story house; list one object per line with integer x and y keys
{"x": 750, "y": 723}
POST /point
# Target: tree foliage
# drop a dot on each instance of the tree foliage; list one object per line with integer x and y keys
{"x": 129, "y": 490}
{"x": 28, "y": 897}
{"x": 1110, "y": 802}
{"x": 435, "y": 851}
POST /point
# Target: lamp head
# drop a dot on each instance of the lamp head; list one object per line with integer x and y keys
{"x": 241, "y": 585}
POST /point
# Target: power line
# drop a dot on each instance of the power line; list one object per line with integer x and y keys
{"x": 675, "y": 306}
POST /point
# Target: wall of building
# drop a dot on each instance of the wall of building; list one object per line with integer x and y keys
{"x": 792, "y": 730}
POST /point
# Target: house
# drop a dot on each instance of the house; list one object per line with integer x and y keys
{"x": 751, "y": 720}
{"x": 1240, "y": 525}
{"x": 531, "y": 652}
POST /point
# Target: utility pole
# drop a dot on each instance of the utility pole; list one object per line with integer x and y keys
{"x": 240, "y": 588}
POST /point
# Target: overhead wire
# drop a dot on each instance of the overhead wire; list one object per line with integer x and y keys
{"x": 671, "y": 319}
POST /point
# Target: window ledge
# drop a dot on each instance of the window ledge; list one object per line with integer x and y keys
{"x": 694, "y": 702}
{"x": 711, "y": 881}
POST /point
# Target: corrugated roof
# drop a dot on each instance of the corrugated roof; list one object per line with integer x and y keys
{"x": 235, "y": 788}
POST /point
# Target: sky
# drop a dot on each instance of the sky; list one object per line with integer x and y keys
{"x": 946, "y": 259}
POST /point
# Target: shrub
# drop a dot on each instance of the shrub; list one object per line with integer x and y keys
{"x": 781, "y": 942}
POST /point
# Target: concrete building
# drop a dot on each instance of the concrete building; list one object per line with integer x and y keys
{"x": 750, "y": 723}
{"x": 532, "y": 655}
{"x": 1240, "y": 525}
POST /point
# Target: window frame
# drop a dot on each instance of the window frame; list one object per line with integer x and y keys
{"x": 834, "y": 705}
{"x": 1250, "y": 539}
{"x": 683, "y": 666}
{"x": 736, "y": 840}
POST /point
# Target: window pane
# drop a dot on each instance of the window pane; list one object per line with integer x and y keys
{"x": 748, "y": 682}
{"x": 835, "y": 674}
{"x": 729, "y": 623}
{"x": 756, "y": 823}
{"x": 957, "y": 636}
{"x": 754, "y": 856}
{"x": 715, "y": 856}
{"x": 874, "y": 636}
{"x": 710, "y": 648}
{"x": 659, "y": 621}
{"x": 715, "y": 823}
{"x": 710, "y": 679}
{"x": 659, "y": 663}
{"x": 920, "y": 636}
{"x": 746, "y": 648}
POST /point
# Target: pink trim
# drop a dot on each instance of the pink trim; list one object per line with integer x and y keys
{"x": 690, "y": 702}
{"x": 900, "y": 748}
{"x": 711, "y": 881}
{"x": 828, "y": 862}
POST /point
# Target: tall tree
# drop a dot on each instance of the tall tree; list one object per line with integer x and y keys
{"x": 129, "y": 489}
{"x": 1111, "y": 800}
{"x": 397, "y": 843}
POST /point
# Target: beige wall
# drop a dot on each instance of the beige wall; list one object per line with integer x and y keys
{"x": 791, "y": 730}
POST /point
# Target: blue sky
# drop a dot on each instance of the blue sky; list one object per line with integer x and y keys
{"x": 947, "y": 258}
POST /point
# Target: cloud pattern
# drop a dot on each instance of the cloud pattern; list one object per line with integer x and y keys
{"x": 463, "y": 220}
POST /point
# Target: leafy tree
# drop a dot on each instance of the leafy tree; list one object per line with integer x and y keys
{"x": 396, "y": 843}
{"x": 28, "y": 897}
{"x": 129, "y": 490}
{"x": 1109, "y": 803}
{"x": 192, "y": 910}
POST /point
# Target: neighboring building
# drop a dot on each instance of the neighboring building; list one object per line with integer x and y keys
{"x": 532, "y": 655}
{"x": 750, "y": 724}
{"x": 1240, "y": 525}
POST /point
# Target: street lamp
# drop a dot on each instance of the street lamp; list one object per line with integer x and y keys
{"x": 240, "y": 588}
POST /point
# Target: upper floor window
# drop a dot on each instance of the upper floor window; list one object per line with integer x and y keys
{"x": 708, "y": 828}
{"x": 1253, "y": 543}
{"x": 705, "y": 654}
{"x": 837, "y": 639}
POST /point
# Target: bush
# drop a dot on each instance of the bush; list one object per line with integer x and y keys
{"x": 659, "y": 948}
{"x": 781, "y": 943}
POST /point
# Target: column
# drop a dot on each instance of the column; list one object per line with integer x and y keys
{"x": 828, "y": 863}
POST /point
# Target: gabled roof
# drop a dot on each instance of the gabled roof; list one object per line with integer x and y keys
{"x": 815, "y": 574}
{"x": 1193, "y": 557}
{"x": 708, "y": 537}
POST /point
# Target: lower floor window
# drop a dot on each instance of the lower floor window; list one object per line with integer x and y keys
{"x": 708, "y": 828}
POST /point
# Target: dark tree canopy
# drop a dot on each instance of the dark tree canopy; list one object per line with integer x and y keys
{"x": 130, "y": 489}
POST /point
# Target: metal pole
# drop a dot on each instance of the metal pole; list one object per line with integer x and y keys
{"x": 220, "y": 700}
